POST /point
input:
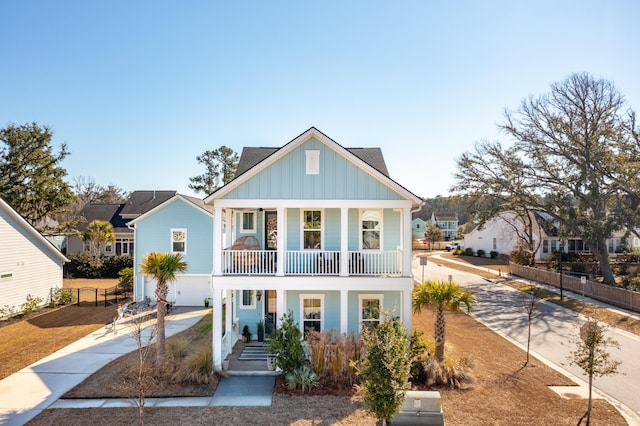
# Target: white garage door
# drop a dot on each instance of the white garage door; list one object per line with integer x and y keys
{"x": 187, "y": 290}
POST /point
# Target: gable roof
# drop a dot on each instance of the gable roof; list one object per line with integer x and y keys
{"x": 140, "y": 202}
{"x": 196, "y": 202}
{"x": 106, "y": 212}
{"x": 445, "y": 217}
{"x": 256, "y": 159}
{"x": 253, "y": 155}
{"x": 26, "y": 227}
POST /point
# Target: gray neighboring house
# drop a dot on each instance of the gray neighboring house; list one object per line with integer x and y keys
{"x": 29, "y": 263}
{"x": 119, "y": 215}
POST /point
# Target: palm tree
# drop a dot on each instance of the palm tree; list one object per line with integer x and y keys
{"x": 163, "y": 267}
{"x": 97, "y": 233}
{"x": 441, "y": 295}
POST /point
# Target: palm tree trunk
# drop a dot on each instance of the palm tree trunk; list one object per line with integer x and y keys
{"x": 161, "y": 299}
{"x": 439, "y": 335}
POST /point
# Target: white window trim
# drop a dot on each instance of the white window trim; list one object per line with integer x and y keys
{"x": 304, "y": 296}
{"x": 322, "y": 219}
{"x": 253, "y": 224}
{"x": 363, "y": 296}
{"x": 312, "y": 158}
{"x": 253, "y": 300}
{"x": 361, "y": 230}
{"x": 185, "y": 239}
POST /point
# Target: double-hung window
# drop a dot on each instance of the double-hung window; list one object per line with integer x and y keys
{"x": 248, "y": 299}
{"x": 248, "y": 221}
{"x": 179, "y": 241}
{"x": 312, "y": 312}
{"x": 370, "y": 310}
{"x": 371, "y": 229}
{"x": 312, "y": 229}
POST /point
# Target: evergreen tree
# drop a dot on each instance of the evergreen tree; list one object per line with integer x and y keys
{"x": 31, "y": 178}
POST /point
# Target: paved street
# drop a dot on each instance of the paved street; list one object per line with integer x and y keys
{"x": 501, "y": 308}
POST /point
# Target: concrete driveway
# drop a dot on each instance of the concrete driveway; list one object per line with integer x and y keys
{"x": 501, "y": 308}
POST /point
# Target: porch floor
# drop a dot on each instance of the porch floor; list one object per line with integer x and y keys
{"x": 248, "y": 366}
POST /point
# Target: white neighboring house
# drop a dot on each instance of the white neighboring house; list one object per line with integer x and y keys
{"x": 500, "y": 234}
{"x": 29, "y": 263}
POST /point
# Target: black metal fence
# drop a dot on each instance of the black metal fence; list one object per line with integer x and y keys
{"x": 92, "y": 296}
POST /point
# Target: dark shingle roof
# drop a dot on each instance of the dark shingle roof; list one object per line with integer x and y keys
{"x": 140, "y": 202}
{"x": 251, "y": 156}
{"x": 446, "y": 217}
{"x": 105, "y": 212}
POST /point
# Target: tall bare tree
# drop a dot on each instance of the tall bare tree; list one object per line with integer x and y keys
{"x": 568, "y": 158}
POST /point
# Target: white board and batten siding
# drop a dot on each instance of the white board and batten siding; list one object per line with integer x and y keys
{"x": 29, "y": 264}
{"x": 186, "y": 290}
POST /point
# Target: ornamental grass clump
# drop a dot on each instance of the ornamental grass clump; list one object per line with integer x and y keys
{"x": 333, "y": 356}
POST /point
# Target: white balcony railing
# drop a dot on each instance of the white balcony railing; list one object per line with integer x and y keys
{"x": 312, "y": 262}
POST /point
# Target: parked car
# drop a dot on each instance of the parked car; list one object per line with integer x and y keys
{"x": 453, "y": 246}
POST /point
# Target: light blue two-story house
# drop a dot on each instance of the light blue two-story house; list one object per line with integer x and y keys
{"x": 311, "y": 228}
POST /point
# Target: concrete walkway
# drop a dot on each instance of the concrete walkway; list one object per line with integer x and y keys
{"x": 25, "y": 394}
{"x": 500, "y": 308}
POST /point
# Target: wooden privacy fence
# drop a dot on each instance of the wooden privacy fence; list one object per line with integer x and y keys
{"x": 88, "y": 296}
{"x": 615, "y": 296}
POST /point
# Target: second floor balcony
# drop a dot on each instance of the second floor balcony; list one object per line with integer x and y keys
{"x": 312, "y": 262}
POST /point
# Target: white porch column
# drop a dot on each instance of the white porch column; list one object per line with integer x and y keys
{"x": 279, "y": 306}
{"x": 406, "y": 309}
{"x": 406, "y": 240}
{"x": 344, "y": 311}
{"x": 228, "y": 218}
{"x": 281, "y": 246}
{"x": 344, "y": 241}
{"x": 228, "y": 317}
{"x": 217, "y": 329}
{"x": 217, "y": 242}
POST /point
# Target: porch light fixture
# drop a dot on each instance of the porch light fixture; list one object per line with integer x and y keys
{"x": 259, "y": 295}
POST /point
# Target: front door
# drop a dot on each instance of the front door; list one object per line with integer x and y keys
{"x": 271, "y": 230}
{"x": 270, "y": 311}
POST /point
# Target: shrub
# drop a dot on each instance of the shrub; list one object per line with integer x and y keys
{"x": 31, "y": 305}
{"x": 84, "y": 265}
{"x": 60, "y": 296}
{"x": 493, "y": 254}
{"x": 480, "y": 253}
{"x": 7, "y": 312}
{"x": 468, "y": 251}
{"x": 81, "y": 265}
{"x": 333, "y": 356}
{"x": 285, "y": 344}
{"x": 112, "y": 265}
{"x": 385, "y": 367}
{"x": 632, "y": 283}
{"x": 458, "y": 251}
{"x": 302, "y": 377}
{"x": 420, "y": 351}
{"x": 522, "y": 256}
{"x": 455, "y": 374}
{"x": 125, "y": 280}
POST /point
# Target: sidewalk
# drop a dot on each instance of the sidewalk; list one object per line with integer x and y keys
{"x": 25, "y": 394}
{"x": 549, "y": 336}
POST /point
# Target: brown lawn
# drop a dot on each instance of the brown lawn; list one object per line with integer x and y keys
{"x": 504, "y": 393}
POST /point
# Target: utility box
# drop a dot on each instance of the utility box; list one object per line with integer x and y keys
{"x": 420, "y": 408}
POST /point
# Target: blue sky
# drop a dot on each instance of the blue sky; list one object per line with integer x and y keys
{"x": 138, "y": 89}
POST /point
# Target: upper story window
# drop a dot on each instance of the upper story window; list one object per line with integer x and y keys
{"x": 312, "y": 229}
{"x": 371, "y": 229}
{"x": 178, "y": 240}
{"x": 248, "y": 222}
{"x": 313, "y": 162}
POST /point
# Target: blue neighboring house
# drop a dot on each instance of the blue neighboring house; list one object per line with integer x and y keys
{"x": 311, "y": 228}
